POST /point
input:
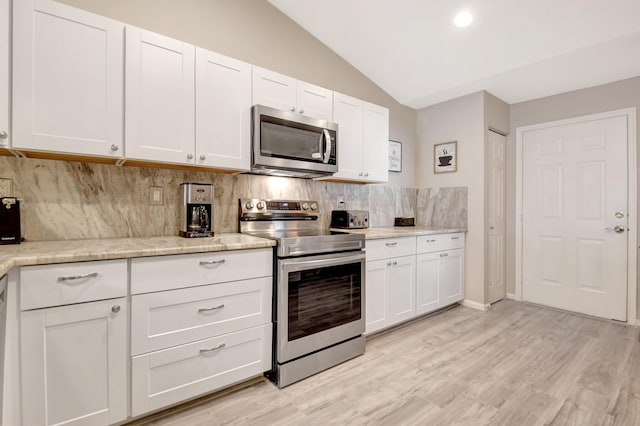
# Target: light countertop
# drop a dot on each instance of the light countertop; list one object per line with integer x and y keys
{"x": 400, "y": 231}
{"x": 45, "y": 252}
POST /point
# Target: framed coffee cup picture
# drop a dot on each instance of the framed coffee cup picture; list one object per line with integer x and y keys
{"x": 445, "y": 157}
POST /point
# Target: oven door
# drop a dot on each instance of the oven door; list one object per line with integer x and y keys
{"x": 320, "y": 302}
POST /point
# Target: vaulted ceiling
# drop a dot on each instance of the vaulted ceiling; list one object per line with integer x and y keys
{"x": 516, "y": 49}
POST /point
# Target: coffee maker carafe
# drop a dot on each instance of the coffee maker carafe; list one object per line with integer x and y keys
{"x": 196, "y": 216}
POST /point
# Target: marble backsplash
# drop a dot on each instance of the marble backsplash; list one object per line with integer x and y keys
{"x": 65, "y": 200}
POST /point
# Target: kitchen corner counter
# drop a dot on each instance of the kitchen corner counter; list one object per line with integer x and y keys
{"x": 400, "y": 231}
{"x": 46, "y": 252}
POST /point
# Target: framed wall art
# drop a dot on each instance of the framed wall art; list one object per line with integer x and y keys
{"x": 445, "y": 157}
{"x": 395, "y": 156}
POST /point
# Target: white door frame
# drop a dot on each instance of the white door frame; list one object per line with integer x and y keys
{"x": 630, "y": 113}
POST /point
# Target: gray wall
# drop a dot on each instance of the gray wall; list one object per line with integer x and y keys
{"x": 617, "y": 95}
{"x": 256, "y": 32}
{"x": 460, "y": 120}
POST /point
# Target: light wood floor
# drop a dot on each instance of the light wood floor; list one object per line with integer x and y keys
{"x": 515, "y": 365}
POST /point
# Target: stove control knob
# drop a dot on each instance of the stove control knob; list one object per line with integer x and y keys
{"x": 314, "y": 206}
{"x": 260, "y": 205}
{"x": 249, "y": 205}
{"x": 305, "y": 206}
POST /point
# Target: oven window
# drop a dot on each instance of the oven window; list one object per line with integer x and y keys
{"x": 323, "y": 298}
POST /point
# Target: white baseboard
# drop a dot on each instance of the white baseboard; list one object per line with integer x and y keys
{"x": 512, "y": 296}
{"x": 475, "y": 305}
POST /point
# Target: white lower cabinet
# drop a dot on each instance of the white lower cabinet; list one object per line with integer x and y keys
{"x": 440, "y": 271}
{"x": 390, "y": 282}
{"x": 198, "y": 323}
{"x": 74, "y": 345}
{"x": 402, "y": 287}
{"x": 74, "y": 364}
{"x": 440, "y": 279}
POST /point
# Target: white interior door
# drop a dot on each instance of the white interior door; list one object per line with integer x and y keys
{"x": 574, "y": 217}
{"x": 496, "y": 144}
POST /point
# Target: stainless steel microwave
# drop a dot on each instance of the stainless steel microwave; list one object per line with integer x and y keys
{"x": 285, "y": 143}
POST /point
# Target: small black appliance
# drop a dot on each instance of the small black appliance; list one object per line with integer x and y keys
{"x": 9, "y": 220}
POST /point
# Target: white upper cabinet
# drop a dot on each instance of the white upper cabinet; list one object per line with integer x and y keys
{"x": 314, "y": 101}
{"x": 223, "y": 111}
{"x": 4, "y": 73}
{"x": 67, "y": 80}
{"x": 348, "y": 113}
{"x": 160, "y": 98}
{"x": 375, "y": 143}
{"x": 286, "y": 93}
{"x": 363, "y": 135}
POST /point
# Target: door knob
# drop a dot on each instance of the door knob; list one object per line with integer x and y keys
{"x": 617, "y": 229}
{"x": 619, "y": 215}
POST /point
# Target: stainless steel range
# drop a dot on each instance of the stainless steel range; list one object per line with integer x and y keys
{"x": 319, "y": 280}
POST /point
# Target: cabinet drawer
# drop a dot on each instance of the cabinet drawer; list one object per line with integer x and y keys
{"x": 390, "y": 247}
{"x": 69, "y": 283}
{"x": 172, "y": 375}
{"x": 440, "y": 242}
{"x": 170, "y": 318}
{"x": 159, "y": 273}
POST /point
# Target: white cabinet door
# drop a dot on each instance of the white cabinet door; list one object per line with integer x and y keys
{"x": 376, "y": 300}
{"x": 223, "y": 111}
{"x": 401, "y": 289}
{"x": 160, "y": 98}
{"x": 286, "y": 93}
{"x": 427, "y": 289}
{"x": 274, "y": 90}
{"x": 451, "y": 276}
{"x": 347, "y": 112}
{"x": 67, "y": 80}
{"x": 375, "y": 143}
{"x": 314, "y": 101}
{"x": 5, "y": 63}
{"x": 74, "y": 364}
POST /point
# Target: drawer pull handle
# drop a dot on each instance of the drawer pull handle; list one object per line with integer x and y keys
{"x": 216, "y": 348}
{"x": 391, "y": 244}
{"x": 213, "y": 308}
{"x": 78, "y": 277}
{"x": 431, "y": 241}
{"x": 212, "y": 262}
{"x": 444, "y": 254}
{"x": 454, "y": 238}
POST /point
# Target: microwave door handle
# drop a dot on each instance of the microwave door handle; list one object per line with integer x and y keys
{"x": 327, "y": 144}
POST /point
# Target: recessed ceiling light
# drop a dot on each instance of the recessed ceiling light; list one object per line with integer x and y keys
{"x": 463, "y": 19}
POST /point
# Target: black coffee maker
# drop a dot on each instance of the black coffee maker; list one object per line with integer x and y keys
{"x": 196, "y": 216}
{"x": 9, "y": 220}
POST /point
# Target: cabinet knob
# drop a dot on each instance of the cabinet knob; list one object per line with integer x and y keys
{"x": 203, "y": 157}
{"x": 395, "y": 263}
{"x": 389, "y": 263}
{"x": 293, "y": 109}
{"x": 360, "y": 174}
{"x": 115, "y": 309}
{"x": 189, "y": 156}
{"x": 366, "y": 173}
{"x": 114, "y": 147}
{"x": 302, "y": 111}
{"x": 3, "y": 136}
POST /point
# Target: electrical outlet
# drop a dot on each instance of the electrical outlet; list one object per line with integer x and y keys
{"x": 156, "y": 197}
{"x": 6, "y": 187}
{"x": 341, "y": 203}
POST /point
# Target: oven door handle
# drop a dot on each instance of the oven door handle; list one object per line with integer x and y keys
{"x": 298, "y": 264}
